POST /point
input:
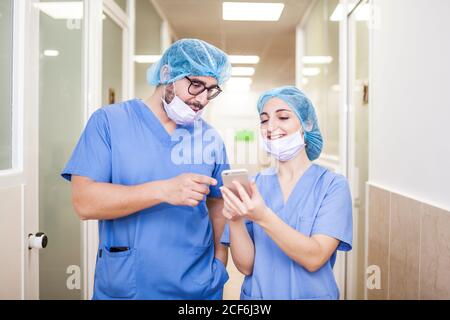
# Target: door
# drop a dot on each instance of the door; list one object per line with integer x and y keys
{"x": 117, "y": 62}
{"x": 358, "y": 137}
{"x": 61, "y": 119}
{"x": 11, "y": 177}
{"x": 67, "y": 49}
{"x": 18, "y": 153}
{"x": 50, "y": 82}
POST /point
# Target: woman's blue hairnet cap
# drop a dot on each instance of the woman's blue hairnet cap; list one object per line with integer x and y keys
{"x": 190, "y": 57}
{"x": 304, "y": 110}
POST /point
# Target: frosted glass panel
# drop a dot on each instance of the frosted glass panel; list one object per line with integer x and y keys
{"x": 60, "y": 125}
{"x": 148, "y": 41}
{"x": 6, "y": 53}
{"x": 112, "y": 62}
{"x": 321, "y": 80}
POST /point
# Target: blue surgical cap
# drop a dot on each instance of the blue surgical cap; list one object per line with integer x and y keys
{"x": 190, "y": 57}
{"x": 304, "y": 110}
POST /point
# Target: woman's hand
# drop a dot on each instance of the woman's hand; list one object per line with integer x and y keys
{"x": 250, "y": 207}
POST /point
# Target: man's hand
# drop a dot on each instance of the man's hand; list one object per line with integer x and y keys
{"x": 187, "y": 189}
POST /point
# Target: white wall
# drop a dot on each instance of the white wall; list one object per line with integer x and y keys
{"x": 232, "y": 112}
{"x": 410, "y": 111}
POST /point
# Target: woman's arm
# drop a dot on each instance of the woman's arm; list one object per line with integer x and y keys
{"x": 310, "y": 252}
{"x": 241, "y": 244}
{"x": 242, "y": 247}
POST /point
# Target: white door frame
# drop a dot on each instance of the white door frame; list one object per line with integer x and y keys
{"x": 348, "y": 38}
{"x": 93, "y": 10}
{"x": 342, "y": 270}
{"x": 93, "y": 55}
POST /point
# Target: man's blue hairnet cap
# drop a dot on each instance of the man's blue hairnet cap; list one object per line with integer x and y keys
{"x": 190, "y": 57}
{"x": 304, "y": 110}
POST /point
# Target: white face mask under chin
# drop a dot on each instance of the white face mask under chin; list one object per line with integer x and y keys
{"x": 178, "y": 111}
{"x": 286, "y": 148}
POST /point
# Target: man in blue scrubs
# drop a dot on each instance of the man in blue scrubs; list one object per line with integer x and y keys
{"x": 150, "y": 172}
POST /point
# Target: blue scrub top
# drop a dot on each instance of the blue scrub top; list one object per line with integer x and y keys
{"x": 320, "y": 203}
{"x": 171, "y": 248}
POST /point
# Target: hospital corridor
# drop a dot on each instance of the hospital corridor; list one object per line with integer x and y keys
{"x": 102, "y": 190}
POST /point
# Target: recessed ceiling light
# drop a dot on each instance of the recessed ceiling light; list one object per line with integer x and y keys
{"x": 240, "y": 80}
{"x": 311, "y": 72}
{"x": 51, "y": 53}
{"x": 242, "y": 71}
{"x": 252, "y": 11}
{"x": 148, "y": 59}
{"x": 317, "y": 59}
{"x": 305, "y": 81}
{"x": 62, "y": 10}
{"x": 235, "y": 59}
{"x": 239, "y": 84}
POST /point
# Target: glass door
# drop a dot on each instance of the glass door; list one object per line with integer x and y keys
{"x": 61, "y": 120}
{"x": 71, "y": 87}
{"x": 112, "y": 71}
{"x": 117, "y": 51}
{"x": 6, "y": 54}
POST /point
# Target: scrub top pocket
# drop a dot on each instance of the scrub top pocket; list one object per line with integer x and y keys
{"x": 116, "y": 273}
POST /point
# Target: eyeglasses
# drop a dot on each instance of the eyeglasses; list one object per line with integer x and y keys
{"x": 197, "y": 87}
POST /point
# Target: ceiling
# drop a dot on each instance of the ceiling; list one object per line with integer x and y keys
{"x": 274, "y": 42}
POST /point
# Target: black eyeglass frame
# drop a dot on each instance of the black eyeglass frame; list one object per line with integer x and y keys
{"x": 219, "y": 90}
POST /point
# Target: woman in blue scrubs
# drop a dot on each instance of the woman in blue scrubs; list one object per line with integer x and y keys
{"x": 285, "y": 234}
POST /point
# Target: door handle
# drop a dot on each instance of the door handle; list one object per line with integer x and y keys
{"x": 37, "y": 241}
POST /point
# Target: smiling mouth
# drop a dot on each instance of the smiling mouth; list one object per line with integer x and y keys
{"x": 275, "y": 136}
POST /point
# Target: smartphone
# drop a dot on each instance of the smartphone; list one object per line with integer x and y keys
{"x": 239, "y": 175}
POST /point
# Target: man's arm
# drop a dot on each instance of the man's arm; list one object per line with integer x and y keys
{"x": 105, "y": 201}
{"x": 218, "y": 221}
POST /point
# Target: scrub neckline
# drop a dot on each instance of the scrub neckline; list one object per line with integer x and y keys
{"x": 286, "y": 202}
{"x": 157, "y": 127}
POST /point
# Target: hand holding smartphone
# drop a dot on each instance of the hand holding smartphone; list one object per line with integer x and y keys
{"x": 239, "y": 175}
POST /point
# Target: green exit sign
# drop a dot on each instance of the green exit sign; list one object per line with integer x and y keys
{"x": 245, "y": 136}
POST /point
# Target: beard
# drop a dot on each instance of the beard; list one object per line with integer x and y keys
{"x": 169, "y": 94}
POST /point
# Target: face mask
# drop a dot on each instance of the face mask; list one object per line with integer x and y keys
{"x": 286, "y": 148}
{"x": 178, "y": 111}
